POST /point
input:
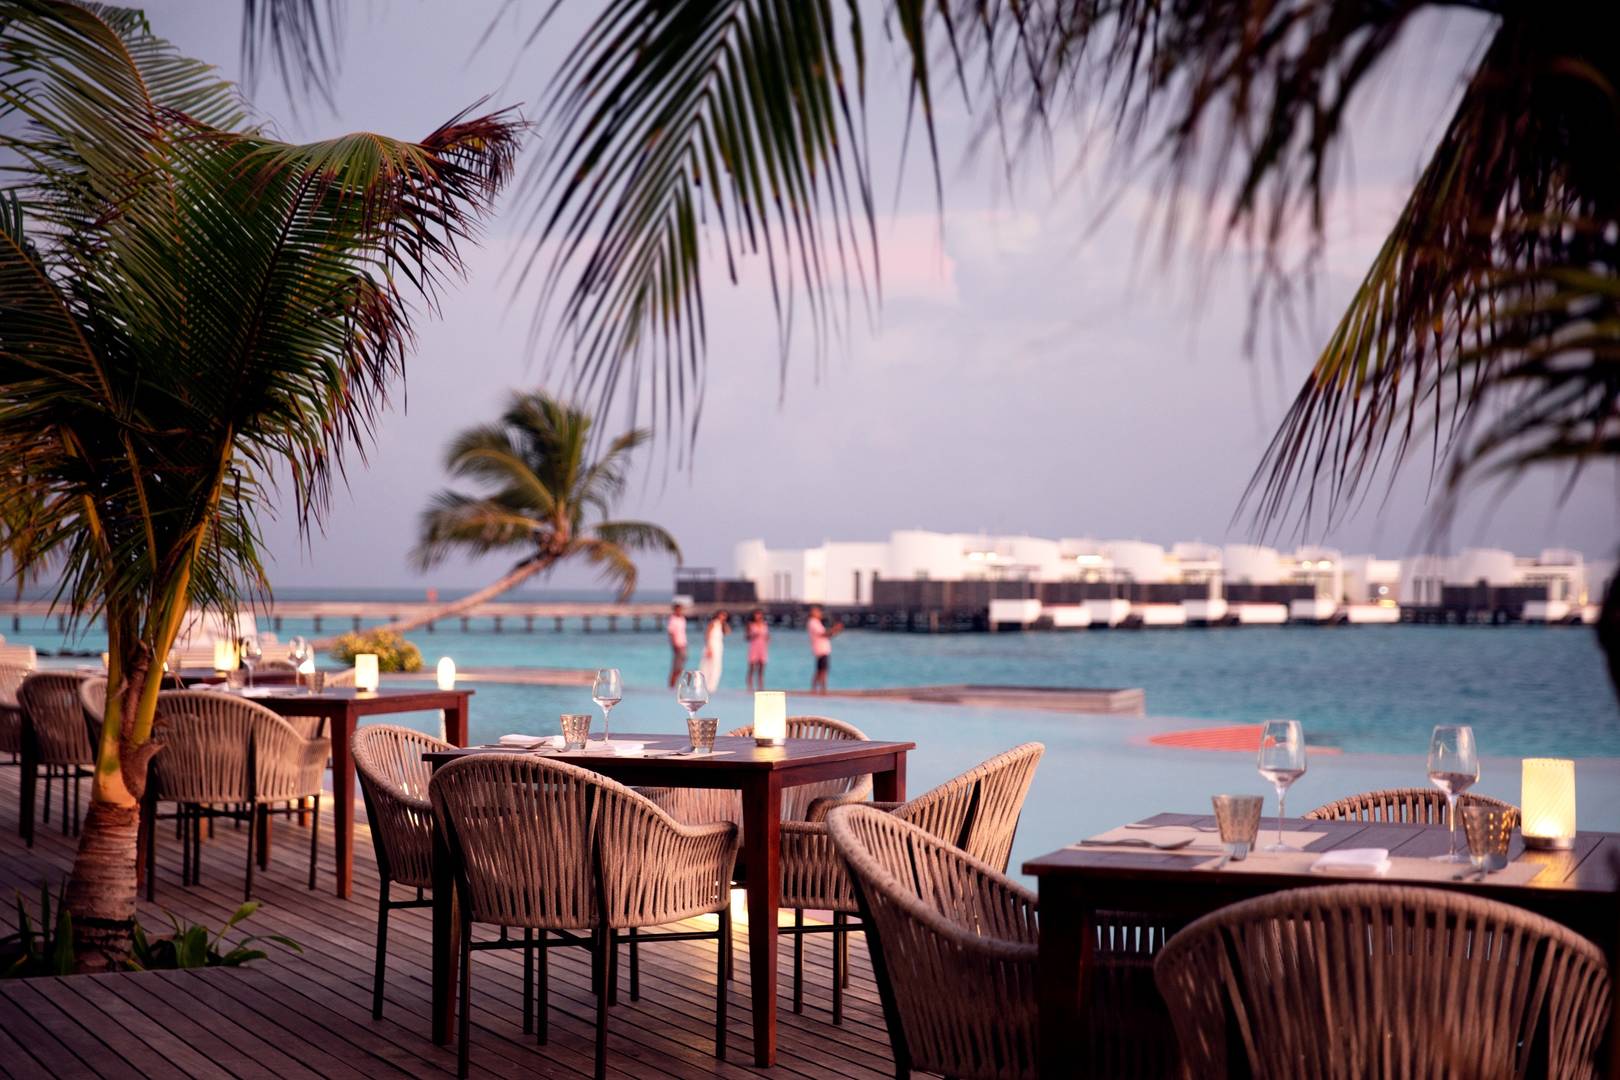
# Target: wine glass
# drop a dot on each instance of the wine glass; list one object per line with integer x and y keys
{"x": 1453, "y": 768}
{"x": 250, "y": 655}
{"x": 1282, "y": 761}
{"x": 298, "y": 651}
{"x": 607, "y": 691}
{"x": 692, "y": 692}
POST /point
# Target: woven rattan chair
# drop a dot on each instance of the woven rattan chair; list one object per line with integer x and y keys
{"x": 976, "y": 811}
{"x": 1384, "y": 980}
{"x": 545, "y": 846}
{"x": 695, "y": 805}
{"x": 11, "y": 679}
{"x": 1423, "y": 806}
{"x": 394, "y": 783}
{"x": 225, "y": 756}
{"x": 53, "y": 725}
{"x": 956, "y": 945}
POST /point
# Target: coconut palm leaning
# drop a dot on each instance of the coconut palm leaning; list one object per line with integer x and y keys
{"x": 545, "y": 497}
{"x": 188, "y": 308}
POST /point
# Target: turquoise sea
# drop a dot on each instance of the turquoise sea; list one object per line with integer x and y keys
{"x": 1367, "y": 695}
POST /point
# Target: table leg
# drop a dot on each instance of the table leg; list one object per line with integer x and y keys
{"x": 30, "y": 786}
{"x": 343, "y": 800}
{"x": 1063, "y": 973}
{"x": 762, "y": 852}
{"x": 455, "y": 722}
{"x": 445, "y": 943}
{"x": 891, "y": 786}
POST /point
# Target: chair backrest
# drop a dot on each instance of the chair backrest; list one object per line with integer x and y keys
{"x": 22, "y": 655}
{"x": 1384, "y": 980}
{"x": 956, "y": 944}
{"x": 12, "y": 674}
{"x": 208, "y": 739}
{"x": 796, "y": 800}
{"x": 978, "y": 810}
{"x": 547, "y": 845}
{"x": 50, "y": 701}
{"x": 1422, "y": 806}
{"x": 394, "y": 781}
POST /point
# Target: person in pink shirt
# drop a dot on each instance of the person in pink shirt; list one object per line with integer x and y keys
{"x": 676, "y": 629}
{"x": 821, "y": 646}
{"x": 759, "y": 649}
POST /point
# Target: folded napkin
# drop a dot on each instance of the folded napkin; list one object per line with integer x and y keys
{"x": 259, "y": 691}
{"x": 531, "y": 742}
{"x": 628, "y": 749}
{"x": 1354, "y": 862}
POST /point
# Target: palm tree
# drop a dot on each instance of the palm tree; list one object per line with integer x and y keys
{"x": 545, "y": 497}
{"x": 186, "y": 308}
{"x": 1485, "y": 328}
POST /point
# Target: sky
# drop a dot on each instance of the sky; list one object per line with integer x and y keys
{"x": 1039, "y": 365}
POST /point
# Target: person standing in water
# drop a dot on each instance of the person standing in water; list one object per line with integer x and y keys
{"x": 676, "y": 629}
{"x": 820, "y": 646}
{"x": 714, "y": 648}
{"x": 759, "y": 648}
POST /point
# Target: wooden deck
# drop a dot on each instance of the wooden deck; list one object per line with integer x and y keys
{"x": 309, "y": 1015}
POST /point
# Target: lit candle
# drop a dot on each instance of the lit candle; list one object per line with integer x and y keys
{"x": 447, "y": 673}
{"x": 226, "y": 657}
{"x": 770, "y": 717}
{"x": 365, "y": 671}
{"x": 1547, "y": 803}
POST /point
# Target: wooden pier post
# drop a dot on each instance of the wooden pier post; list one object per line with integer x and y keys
{"x": 559, "y": 624}
{"x": 429, "y": 626}
{"x": 497, "y": 624}
{"x": 317, "y": 624}
{"x": 613, "y": 624}
{"x": 587, "y": 624}
{"x": 528, "y": 624}
{"x": 635, "y": 622}
{"x": 357, "y": 624}
{"x": 464, "y": 624}
{"x": 275, "y": 621}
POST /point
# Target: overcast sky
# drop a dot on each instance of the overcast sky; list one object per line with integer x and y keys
{"x": 1030, "y": 372}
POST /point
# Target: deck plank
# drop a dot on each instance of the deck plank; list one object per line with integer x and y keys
{"x": 307, "y": 1015}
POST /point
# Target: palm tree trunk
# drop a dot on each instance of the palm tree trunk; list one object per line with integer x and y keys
{"x": 517, "y": 576}
{"x": 1608, "y": 629}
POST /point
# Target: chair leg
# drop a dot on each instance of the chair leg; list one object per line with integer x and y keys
{"x": 839, "y": 930}
{"x": 722, "y": 959}
{"x": 635, "y": 967}
{"x": 78, "y": 781}
{"x": 844, "y": 940}
{"x": 149, "y": 809}
{"x": 613, "y": 967}
{"x": 543, "y": 996}
{"x": 528, "y": 981}
{"x": 798, "y": 960}
{"x": 462, "y": 1046}
{"x": 253, "y": 835}
{"x": 605, "y": 949}
{"x": 314, "y": 839}
{"x": 382, "y": 950}
{"x": 45, "y": 816}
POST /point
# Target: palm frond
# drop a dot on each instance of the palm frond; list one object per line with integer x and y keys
{"x": 638, "y": 536}
{"x": 454, "y": 521}
{"x": 303, "y": 38}
{"x": 673, "y": 123}
{"x": 615, "y": 564}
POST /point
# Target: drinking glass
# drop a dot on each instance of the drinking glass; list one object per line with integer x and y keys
{"x": 1453, "y": 768}
{"x": 1490, "y": 833}
{"x": 607, "y": 691}
{"x": 298, "y": 651}
{"x": 576, "y": 730}
{"x": 701, "y": 730}
{"x": 1238, "y": 819}
{"x": 250, "y": 655}
{"x": 1282, "y": 761}
{"x": 692, "y": 692}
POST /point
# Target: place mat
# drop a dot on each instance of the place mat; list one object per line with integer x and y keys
{"x": 1132, "y": 839}
{"x": 1401, "y": 868}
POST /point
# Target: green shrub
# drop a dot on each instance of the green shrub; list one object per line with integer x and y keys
{"x": 394, "y": 653}
{"x": 31, "y": 953}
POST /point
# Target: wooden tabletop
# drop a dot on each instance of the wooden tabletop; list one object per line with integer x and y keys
{"x": 732, "y": 753}
{"x": 390, "y": 698}
{"x": 1592, "y": 866}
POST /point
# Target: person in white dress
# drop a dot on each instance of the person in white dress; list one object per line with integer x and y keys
{"x": 714, "y": 648}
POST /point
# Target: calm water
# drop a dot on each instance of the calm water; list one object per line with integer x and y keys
{"x": 1526, "y": 690}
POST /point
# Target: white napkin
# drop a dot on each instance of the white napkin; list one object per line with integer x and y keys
{"x": 628, "y": 749}
{"x": 259, "y": 691}
{"x": 1356, "y": 862}
{"x": 531, "y": 742}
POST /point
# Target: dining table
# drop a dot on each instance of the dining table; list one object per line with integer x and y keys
{"x": 342, "y": 708}
{"x": 1129, "y": 888}
{"x": 760, "y": 774}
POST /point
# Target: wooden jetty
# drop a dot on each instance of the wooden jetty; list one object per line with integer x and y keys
{"x": 309, "y": 1015}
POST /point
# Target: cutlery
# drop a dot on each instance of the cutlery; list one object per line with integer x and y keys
{"x": 1224, "y": 860}
{"x": 1194, "y": 828}
{"x": 1173, "y": 845}
{"x": 1474, "y": 872}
